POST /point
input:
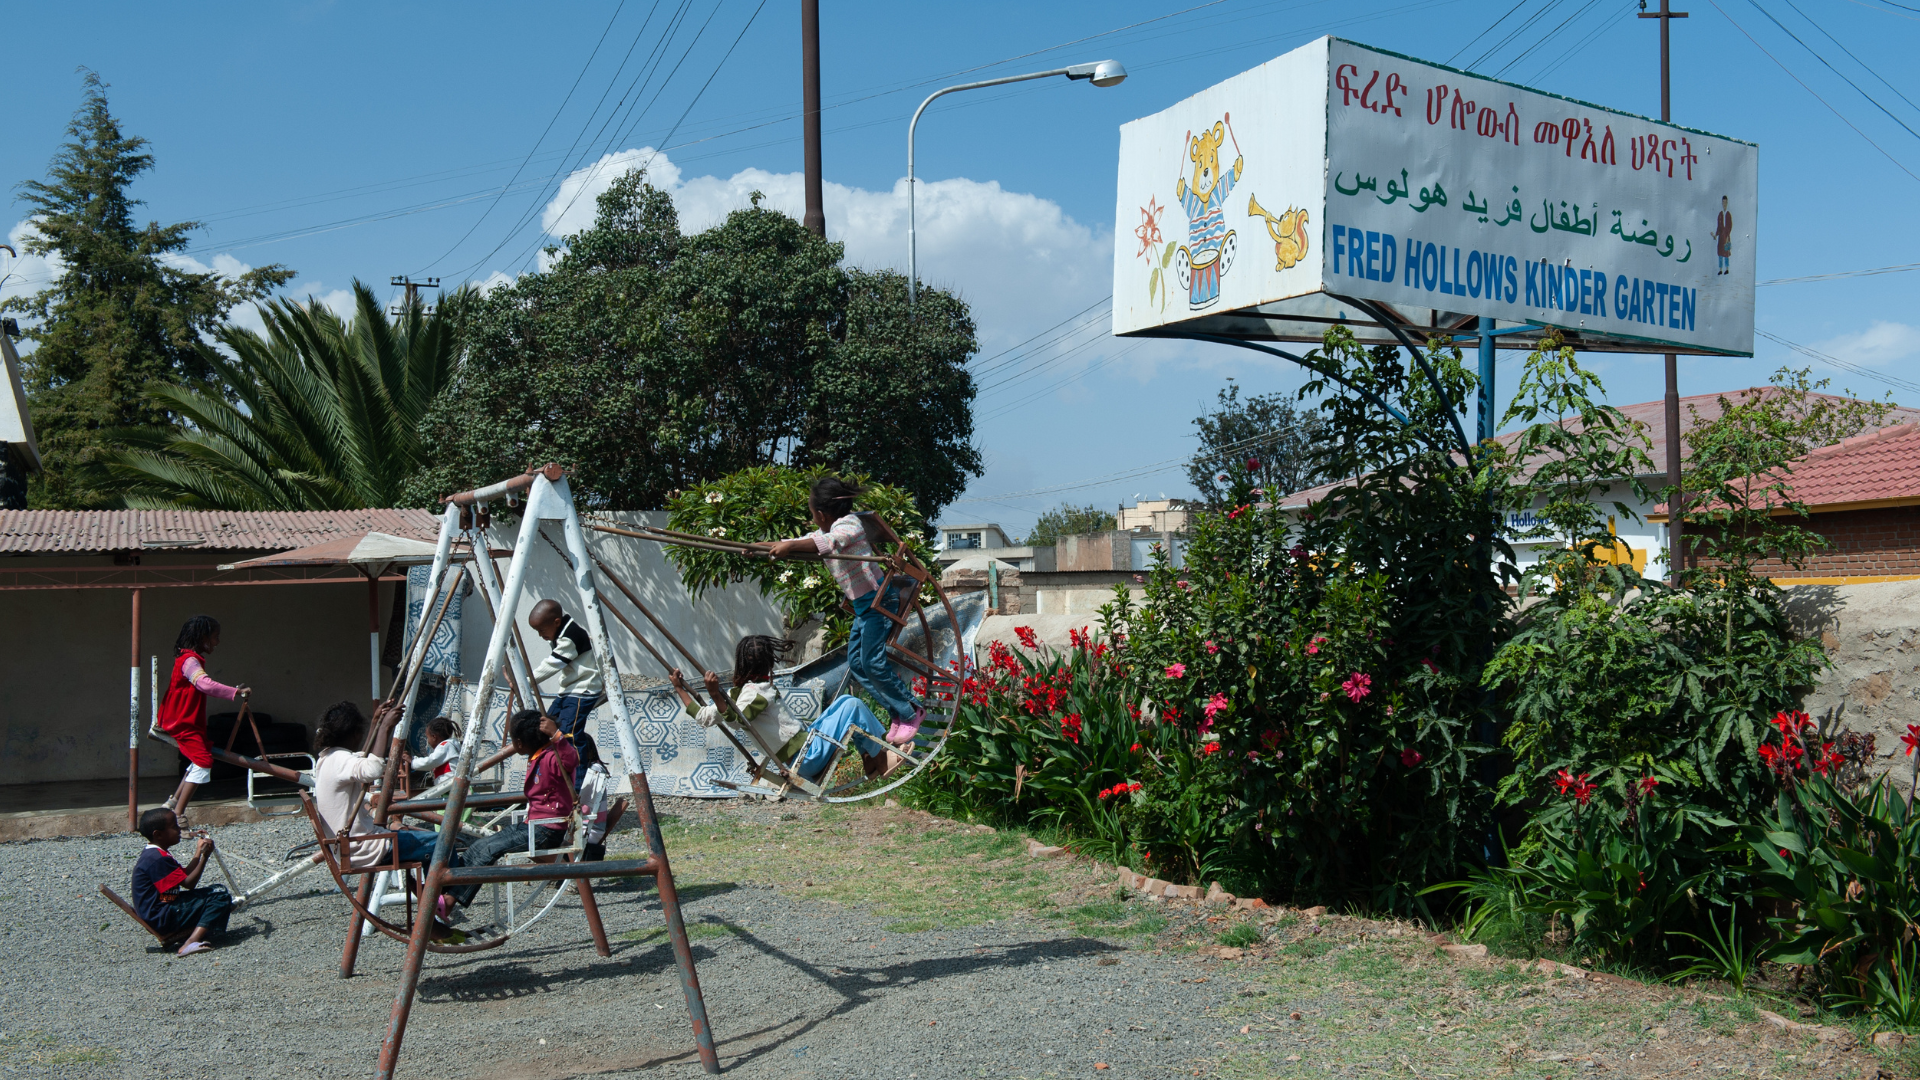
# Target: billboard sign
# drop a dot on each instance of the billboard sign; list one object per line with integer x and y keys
{"x": 1346, "y": 170}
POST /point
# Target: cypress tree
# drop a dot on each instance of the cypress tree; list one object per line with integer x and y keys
{"x": 117, "y": 317}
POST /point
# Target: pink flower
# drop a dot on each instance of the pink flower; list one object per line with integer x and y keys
{"x": 1176, "y": 671}
{"x": 1212, "y": 648}
{"x": 1324, "y": 695}
{"x": 1216, "y": 705}
{"x": 1313, "y": 647}
{"x": 1411, "y": 757}
{"x": 1253, "y": 464}
{"x": 1358, "y": 685}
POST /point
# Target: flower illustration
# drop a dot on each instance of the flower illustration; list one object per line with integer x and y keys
{"x": 1176, "y": 671}
{"x": 1148, "y": 231}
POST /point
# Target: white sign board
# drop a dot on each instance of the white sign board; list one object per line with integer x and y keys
{"x": 1348, "y": 170}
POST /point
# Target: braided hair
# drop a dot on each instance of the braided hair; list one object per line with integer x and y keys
{"x": 754, "y": 657}
{"x": 342, "y": 725}
{"x": 196, "y": 632}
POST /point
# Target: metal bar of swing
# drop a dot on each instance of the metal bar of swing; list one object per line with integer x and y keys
{"x": 731, "y": 547}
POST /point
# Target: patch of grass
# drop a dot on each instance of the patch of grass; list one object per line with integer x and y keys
{"x": 924, "y": 873}
{"x": 1240, "y": 935}
{"x": 34, "y": 1048}
{"x": 700, "y": 931}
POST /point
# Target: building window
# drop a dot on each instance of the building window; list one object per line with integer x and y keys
{"x": 963, "y": 540}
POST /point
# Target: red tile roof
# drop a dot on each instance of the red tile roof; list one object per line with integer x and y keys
{"x": 41, "y": 532}
{"x": 1877, "y": 467}
{"x": 1651, "y": 416}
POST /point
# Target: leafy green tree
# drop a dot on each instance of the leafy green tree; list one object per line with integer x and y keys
{"x": 1261, "y": 441}
{"x": 118, "y": 318}
{"x": 1739, "y": 472}
{"x": 893, "y": 398}
{"x": 1069, "y": 520}
{"x": 650, "y": 362}
{"x": 319, "y": 414}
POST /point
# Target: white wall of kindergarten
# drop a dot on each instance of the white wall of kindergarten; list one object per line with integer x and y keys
{"x": 708, "y": 627}
{"x": 63, "y": 674}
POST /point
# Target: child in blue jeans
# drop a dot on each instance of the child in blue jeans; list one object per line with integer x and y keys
{"x": 837, "y": 531}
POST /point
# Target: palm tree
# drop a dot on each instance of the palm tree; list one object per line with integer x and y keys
{"x": 319, "y": 414}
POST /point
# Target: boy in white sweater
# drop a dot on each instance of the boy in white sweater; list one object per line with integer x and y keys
{"x": 571, "y": 662}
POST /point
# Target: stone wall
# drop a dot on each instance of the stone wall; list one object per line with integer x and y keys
{"x": 1872, "y": 634}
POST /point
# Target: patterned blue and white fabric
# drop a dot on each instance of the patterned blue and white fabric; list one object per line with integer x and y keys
{"x": 442, "y": 665}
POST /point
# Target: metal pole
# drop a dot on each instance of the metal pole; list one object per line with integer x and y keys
{"x": 133, "y": 721}
{"x": 1676, "y": 503}
{"x": 373, "y": 631}
{"x": 1105, "y": 73}
{"x": 1488, "y": 402}
{"x": 816, "y": 219}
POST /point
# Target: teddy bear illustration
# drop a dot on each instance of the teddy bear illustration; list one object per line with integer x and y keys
{"x": 1209, "y": 250}
{"x": 1288, "y": 230}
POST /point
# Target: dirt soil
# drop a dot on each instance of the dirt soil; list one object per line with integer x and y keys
{"x": 873, "y": 942}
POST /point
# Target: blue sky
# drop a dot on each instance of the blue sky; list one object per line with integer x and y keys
{"x": 361, "y": 140}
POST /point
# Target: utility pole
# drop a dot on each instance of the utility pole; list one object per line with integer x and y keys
{"x": 1676, "y": 503}
{"x": 413, "y": 292}
{"x": 816, "y": 219}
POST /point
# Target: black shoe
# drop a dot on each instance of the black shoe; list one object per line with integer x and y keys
{"x": 593, "y": 853}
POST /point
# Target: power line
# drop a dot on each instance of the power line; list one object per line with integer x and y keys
{"x": 1810, "y": 90}
{"x": 1135, "y": 473}
{"x": 1902, "y": 268}
{"x": 1850, "y": 55}
{"x": 1843, "y": 365}
{"x": 1485, "y": 32}
{"x": 1829, "y": 66}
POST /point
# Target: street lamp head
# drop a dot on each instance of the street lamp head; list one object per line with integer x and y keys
{"x": 1104, "y": 73}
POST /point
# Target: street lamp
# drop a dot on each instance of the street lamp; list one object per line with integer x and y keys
{"x": 1104, "y": 73}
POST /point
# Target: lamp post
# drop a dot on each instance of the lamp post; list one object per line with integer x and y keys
{"x": 1104, "y": 73}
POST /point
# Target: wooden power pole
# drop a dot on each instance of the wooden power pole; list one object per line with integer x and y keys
{"x": 816, "y": 219}
{"x": 413, "y": 292}
{"x": 1676, "y": 502}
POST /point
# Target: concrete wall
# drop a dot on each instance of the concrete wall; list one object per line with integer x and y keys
{"x": 63, "y": 674}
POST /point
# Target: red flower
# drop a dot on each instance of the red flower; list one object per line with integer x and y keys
{"x": 1576, "y": 786}
{"x": 1134, "y": 749}
{"x": 1070, "y": 726}
{"x": 1411, "y": 757}
{"x": 1357, "y": 686}
{"x": 1176, "y": 671}
{"x": 1647, "y": 784}
{"x": 1313, "y": 647}
{"x": 1911, "y": 738}
{"x": 1025, "y": 634}
{"x": 1430, "y": 665}
{"x": 1238, "y": 510}
{"x": 1253, "y": 464}
{"x": 1791, "y": 724}
{"x": 1212, "y": 648}
{"x": 1209, "y": 748}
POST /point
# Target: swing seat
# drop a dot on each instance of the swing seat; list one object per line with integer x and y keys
{"x": 169, "y": 938}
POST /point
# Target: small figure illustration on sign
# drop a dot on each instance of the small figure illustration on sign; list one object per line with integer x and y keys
{"x": 1288, "y": 230}
{"x": 1723, "y": 234}
{"x": 1209, "y": 251}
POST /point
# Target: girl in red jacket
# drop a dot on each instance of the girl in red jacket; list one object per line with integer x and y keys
{"x": 183, "y": 712}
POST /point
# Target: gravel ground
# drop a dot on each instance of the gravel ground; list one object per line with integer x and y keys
{"x": 795, "y": 988}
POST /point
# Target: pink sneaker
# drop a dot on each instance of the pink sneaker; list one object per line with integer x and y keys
{"x": 903, "y": 731}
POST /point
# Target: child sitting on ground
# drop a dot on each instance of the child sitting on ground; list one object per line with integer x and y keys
{"x": 444, "y": 736}
{"x": 549, "y": 788}
{"x": 839, "y": 532}
{"x": 759, "y": 704}
{"x": 167, "y": 895}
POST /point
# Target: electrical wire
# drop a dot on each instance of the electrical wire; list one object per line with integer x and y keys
{"x": 1843, "y": 365}
{"x": 1843, "y": 75}
{"x": 1850, "y": 55}
{"x": 1902, "y": 268}
{"x": 1810, "y": 90}
{"x": 1484, "y": 33}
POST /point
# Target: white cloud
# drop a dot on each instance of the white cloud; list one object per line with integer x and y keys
{"x": 1881, "y": 343}
{"x": 25, "y": 274}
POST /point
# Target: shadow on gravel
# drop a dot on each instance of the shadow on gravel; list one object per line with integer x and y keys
{"x": 858, "y": 985}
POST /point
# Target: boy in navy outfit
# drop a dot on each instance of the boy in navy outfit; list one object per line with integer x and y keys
{"x": 165, "y": 893}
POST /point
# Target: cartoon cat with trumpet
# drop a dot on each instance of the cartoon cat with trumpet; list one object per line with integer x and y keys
{"x": 1288, "y": 230}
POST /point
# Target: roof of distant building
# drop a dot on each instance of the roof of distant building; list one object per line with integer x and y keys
{"x": 1874, "y": 469}
{"x": 1651, "y": 416}
{"x": 38, "y": 532}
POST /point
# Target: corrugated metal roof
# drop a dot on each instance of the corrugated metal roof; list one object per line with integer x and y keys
{"x": 43, "y": 532}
